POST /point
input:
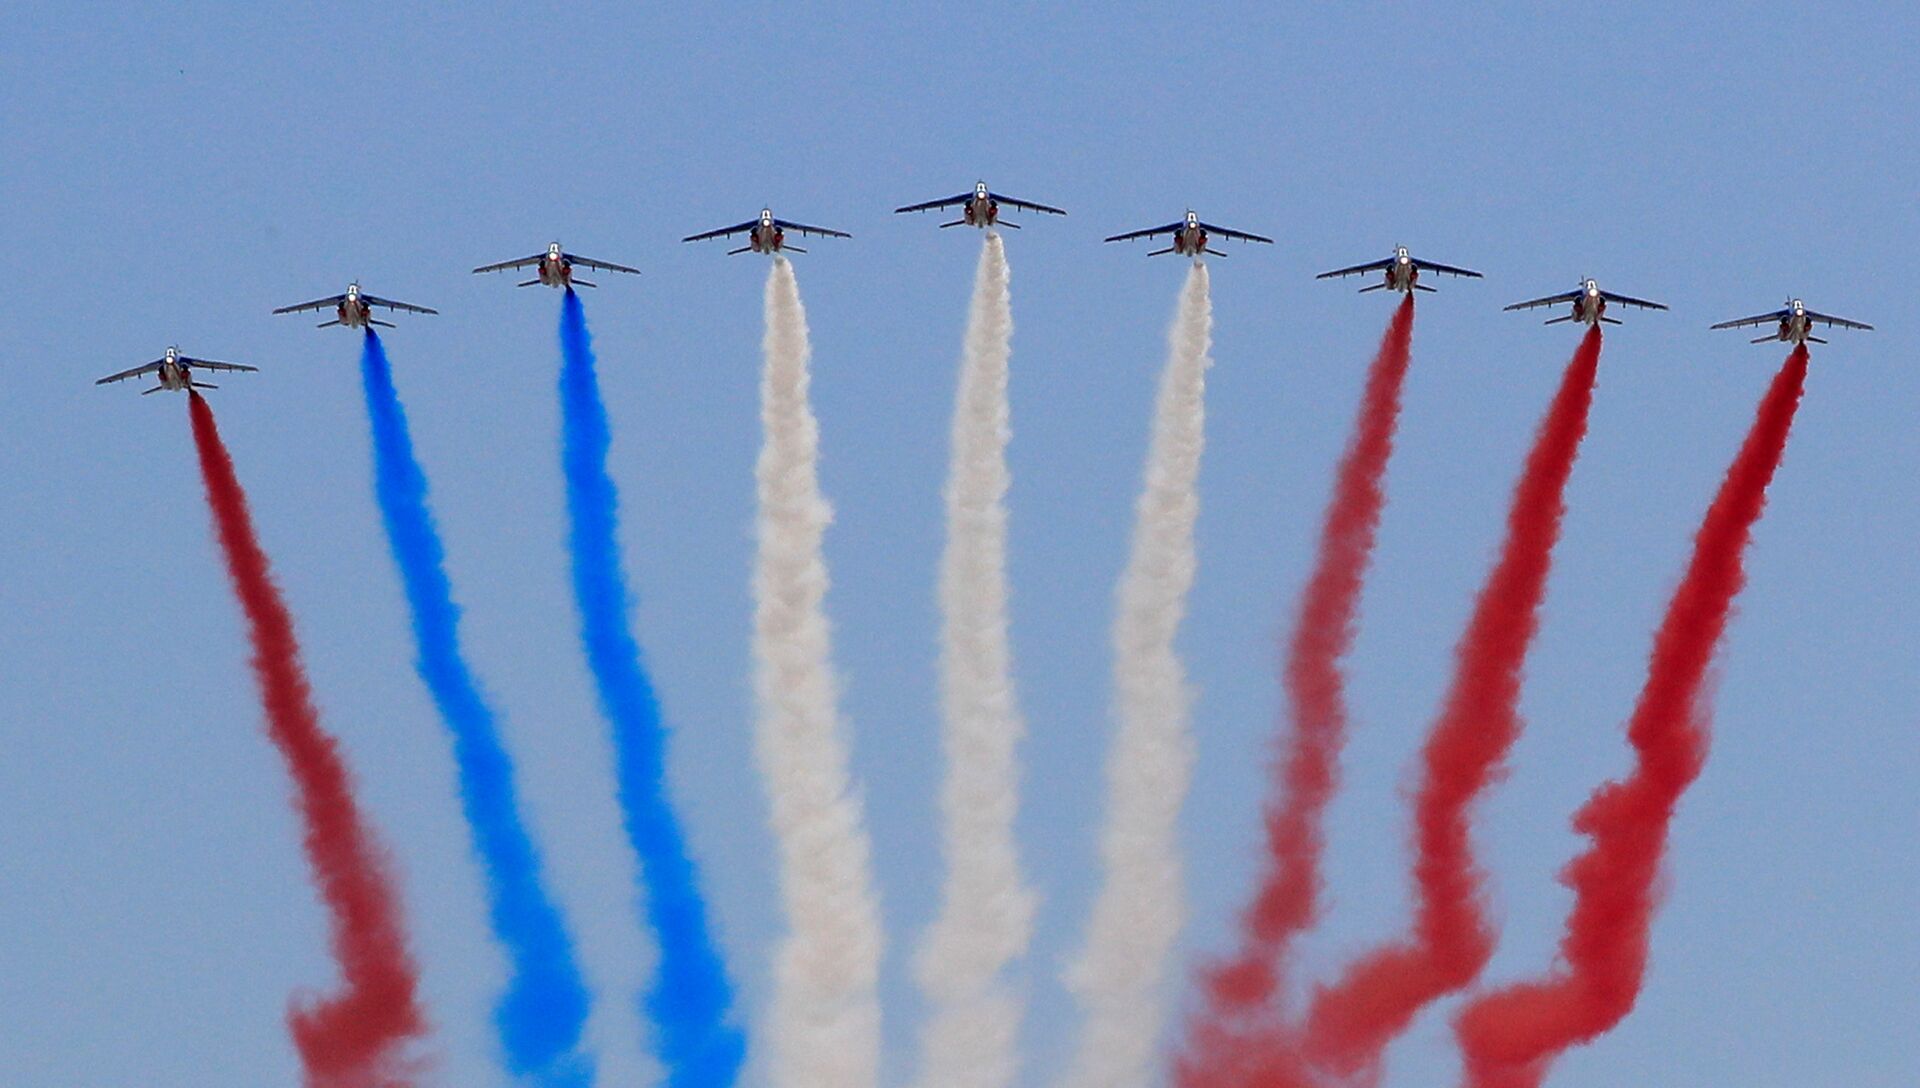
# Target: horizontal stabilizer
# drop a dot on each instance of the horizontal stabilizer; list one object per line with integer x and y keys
{"x": 1375, "y": 287}
{"x": 1815, "y": 340}
{"x": 382, "y": 324}
{"x": 1611, "y": 320}
{"x": 1765, "y": 339}
{"x": 736, "y": 252}
{"x": 155, "y": 389}
{"x": 528, "y": 283}
{"x": 955, "y": 223}
{"x": 1424, "y": 287}
{"x": 1158, "y": 252}
{"x": 1004, "y": 223}
{"x": 793, "y": 249}
{"x": 1558, "y": 320}
{"x": 203, "y": 385}
{"x": 583, "y": 283}
{"x": 324, "y": 324}
{"x": 1215, "y": 252}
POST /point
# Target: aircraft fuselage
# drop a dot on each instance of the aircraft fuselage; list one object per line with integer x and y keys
{"x": 175, "y": 376}
{"x": 1591, "y": 307}
{"x": 556, "y": 271}
{"x": 1402, "y": 274}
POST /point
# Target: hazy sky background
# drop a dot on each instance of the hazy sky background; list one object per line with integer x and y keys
{"x": 172, "y": 172}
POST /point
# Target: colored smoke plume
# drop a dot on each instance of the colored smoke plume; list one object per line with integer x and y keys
{"x": 986, "y": 914}
{"x": 1350, "y": 1022}
{"x": 689, "y": 1004}
{"x": 1244, "y": 996}
{"x": 1511, "y": 1036}
{"x": 1121, "y": 973}
{"x": 357, "y": 1037}
{"x": 540, "y": 1017}
{"x": 825, "y": 1017}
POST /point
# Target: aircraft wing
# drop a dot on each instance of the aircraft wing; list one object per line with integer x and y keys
{"x": 935, "y": 205}
{"x": 209, "y": 364}
{"x": 1026, "y": 205}
{"x": 376, "y": 300}
{"x": 1445, "y": 269}
{"x": 134, "y": 373}
{"x": 605, "y": 266}
{"x": 1358, "y": 269}
{"x": 1629, "y": 300}
{"x": 722, "y": 232}
{"x": 316, "y": 304}
{"x": 503, "y": 266}
{"x": 1132, "y": 234}
{"x": 1830, "y": 320}
{"x": 1550, "y": 300}
{"x": 1228, "y": 232}
{"x": 1756, "y": 319}
{"x": 824, "y": 232}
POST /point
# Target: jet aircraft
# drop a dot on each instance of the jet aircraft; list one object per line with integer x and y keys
{"x": 355, "y": 308}
{"x": 980, "y": 208}
{"x": 1402, "y": 272}
{"x": 766, "y": 234}
{"x": 556, "y": 268}
{"x": 1795, "y": 324}
{"x": 174, "y": 372}
{"x": 1589, "y": 304}
{"x": 1190, "y": 237}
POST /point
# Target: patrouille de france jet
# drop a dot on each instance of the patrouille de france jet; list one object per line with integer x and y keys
{"x": 766, "y": 234}
{"x": 556, "y": 268}
{"x": 980, "y": 208}
{"x": 1190, "y": 237}
{"x": 355, "y": 308}
{"x": 1401, "y": 272}
{"x": 1795, "y": 324}
{"x": 1589, "y": 304}
{"x": 174, "y": 372}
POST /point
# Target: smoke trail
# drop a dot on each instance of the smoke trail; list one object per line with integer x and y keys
{"x": 354, "y": 1039}
{"x": 986, "y": 916}
{"x": 544, "y": 1009}
{"x": 1245, "y": 995}
{"x": 1511, "y": 1036}
{"x": 826, "y": 1012}
{"x": 1350, "y": 1023}
{"x": 1121, "y": 971}
{"x": 690, "y": 1002}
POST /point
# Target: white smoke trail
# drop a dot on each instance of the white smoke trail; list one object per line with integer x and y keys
{"x": 986, "y": 916}
{"x": 1121, "y": 973}
{"x": 825, "y": 1019}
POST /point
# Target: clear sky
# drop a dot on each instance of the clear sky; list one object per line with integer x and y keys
{"x": 172, "y": 172}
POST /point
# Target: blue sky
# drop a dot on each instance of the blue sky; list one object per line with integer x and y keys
{"x": 175, "y": 171}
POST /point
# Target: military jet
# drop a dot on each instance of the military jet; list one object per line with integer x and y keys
{"x": 1402, "y": 272}
{"x": 175, "y": 372}
{"x": 1589, "y": 304}
{"x": 980, "y": 208}
{"x": 1190, "y": 237}
{"x": 766, "y": 234}
{"x": 1795, "y": 324}
{"x": 355, "y": 308}
{"x": 556, "y": 268}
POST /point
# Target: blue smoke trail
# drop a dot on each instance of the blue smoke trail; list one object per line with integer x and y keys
{"x": 691, "y": 999}
{"x": 542, "y": 1013}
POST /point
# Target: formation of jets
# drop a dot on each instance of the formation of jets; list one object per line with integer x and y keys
{"x": 1189, "y": 236}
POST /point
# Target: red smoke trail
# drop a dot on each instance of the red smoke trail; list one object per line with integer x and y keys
{"x": 1512, "y": 1035}
{"x": 350, "y": 1040}
{"x": 1287, "y": 902}
{"x": 1351, "y": 1022}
